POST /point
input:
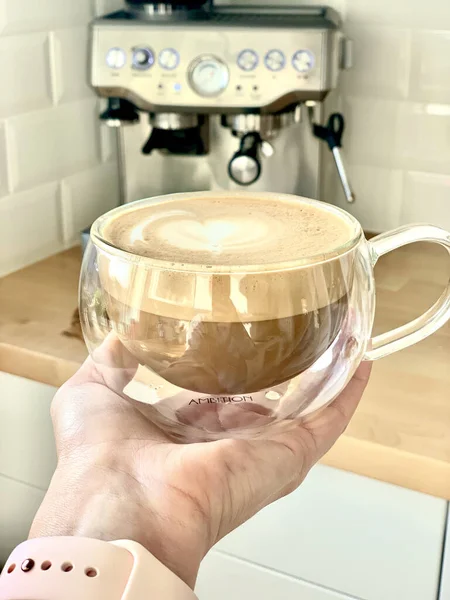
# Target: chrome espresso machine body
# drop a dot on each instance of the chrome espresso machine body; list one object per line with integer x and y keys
{"x": 219, "y": 97}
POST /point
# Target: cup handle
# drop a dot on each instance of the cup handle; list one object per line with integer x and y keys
{"x": 435, "y": 317}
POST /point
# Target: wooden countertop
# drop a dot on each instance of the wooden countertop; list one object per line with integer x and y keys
{"x": 401, "y": 432}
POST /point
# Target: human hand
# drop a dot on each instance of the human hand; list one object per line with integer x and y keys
{"x": 120, "y": 477}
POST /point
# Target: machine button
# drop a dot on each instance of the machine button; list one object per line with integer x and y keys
{"x": 303, "y": 61}
{"x": 143, "y": 58}
{"x": 169, "y": 59}
{"x": 209, "y": 76}
{"x": 116, "y": 58}
{"x": 248, "y": 60}
{"x": 275, "y": 60}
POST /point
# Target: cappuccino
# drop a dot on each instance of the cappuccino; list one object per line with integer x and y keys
{"x": 227, "y": 296}
{"x": 227, "y": 232}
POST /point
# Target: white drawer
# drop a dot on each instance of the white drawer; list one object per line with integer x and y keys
{"x": 18, "y": 505}
{"x": 445, "y": 581}
{"x": 351, "y": 534}
{"x": 27, "y": 447}
{"x": 227, "y": 578}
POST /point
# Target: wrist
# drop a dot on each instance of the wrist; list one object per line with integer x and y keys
{"x": 91, "y": 501}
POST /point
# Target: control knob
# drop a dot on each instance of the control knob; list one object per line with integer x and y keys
{"x": 169, "y": 59}
{"x": 116, "y": 58}
{"x": 303, "y": 61}
{"x": 143, "y": 58}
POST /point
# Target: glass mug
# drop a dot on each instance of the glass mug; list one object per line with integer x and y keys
{"x": 228, "y": 312}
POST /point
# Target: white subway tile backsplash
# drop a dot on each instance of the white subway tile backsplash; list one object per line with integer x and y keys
{"x": 71, "y": 64}
{"x": 422, "y": 137}
{"x": 2, "y": 15}
{"x": 103, "y": 7}
{"x": 382, "y": 58}
{"x": 426, "y": 199}
{"x": 396, "y": 102}
{"x": 430, "y": 77}
{"x": 24, "y": 68}
{"x": 403, "y": 13}
{"x": 29, "y": 227}
{"x": 108, "y": 139}
{"x": 4, "y": 184}
{"x": 43, "y": 15}
{"x": 378, "y": 197}
{"x": 371, "y": 125}
{"x": 86, "y": 196}
{"x": 50, "y": 144}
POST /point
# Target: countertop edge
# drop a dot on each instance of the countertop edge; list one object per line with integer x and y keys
{"x": 42, "y": 368}
{"x": 362, "y": 457}
{"x": 391, "y": 465}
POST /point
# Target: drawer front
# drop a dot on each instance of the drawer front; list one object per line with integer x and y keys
{"x": 445, "y": 582}
{"x": 224, "y": 577}
{"x": 27, "y": 456}
{"x": 27, "y": 447}
{"x": 18, "y": 505}
{"x": 351, "y": 534}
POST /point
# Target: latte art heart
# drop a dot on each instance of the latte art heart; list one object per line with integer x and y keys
{"x": 221, "y": 231}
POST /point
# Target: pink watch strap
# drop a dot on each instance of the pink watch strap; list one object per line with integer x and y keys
{"x": 69, "y": 568}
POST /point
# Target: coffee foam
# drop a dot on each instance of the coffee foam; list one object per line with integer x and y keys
{"x": 227, "y": 231}
{"x": 247, "y": 231}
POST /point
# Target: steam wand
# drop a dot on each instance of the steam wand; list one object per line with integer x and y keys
{"x": 332, "y": 134}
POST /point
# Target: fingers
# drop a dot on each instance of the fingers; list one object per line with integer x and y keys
{"x": 347, "y": 402}
{"x": 110, "y": 364}
{"x": 327, "y": 425}
{"x": 260, "y": 471}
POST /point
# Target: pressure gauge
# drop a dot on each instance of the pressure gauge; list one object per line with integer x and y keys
{"x": 209, "y": 76}
{"x": 303, "y": 61}
{"x": 275, "y": 60}
{"x": 169, "y": 59}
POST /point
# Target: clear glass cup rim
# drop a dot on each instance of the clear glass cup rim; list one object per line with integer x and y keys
{"x": 150, "y": 263}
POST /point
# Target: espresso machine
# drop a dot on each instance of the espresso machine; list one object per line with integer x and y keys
{"x": 205, "y": 97}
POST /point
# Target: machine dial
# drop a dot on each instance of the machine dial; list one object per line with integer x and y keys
{"x": 248, "y": 60}
{"x": 275, "y": 60}
{"x": 143, "y": 58}
{"x": 169, "y": 59}
{"x": 116, "y": 58}
{"x": 303, "y": 61}
{"x": 209, "y": 76}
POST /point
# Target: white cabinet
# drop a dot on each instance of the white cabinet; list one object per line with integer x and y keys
{"x": 225, "y": 577}
{"x": 27, "y": 447}
{"x": 27, "y": 455}
{"x": 350, "y": 534}
{"x": 18, "y": 505}
{"x": 445, "y": 581}
{"x": 339, "y": 536}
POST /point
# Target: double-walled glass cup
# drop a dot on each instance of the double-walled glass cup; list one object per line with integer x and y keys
{"x": 229, "y": 350}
